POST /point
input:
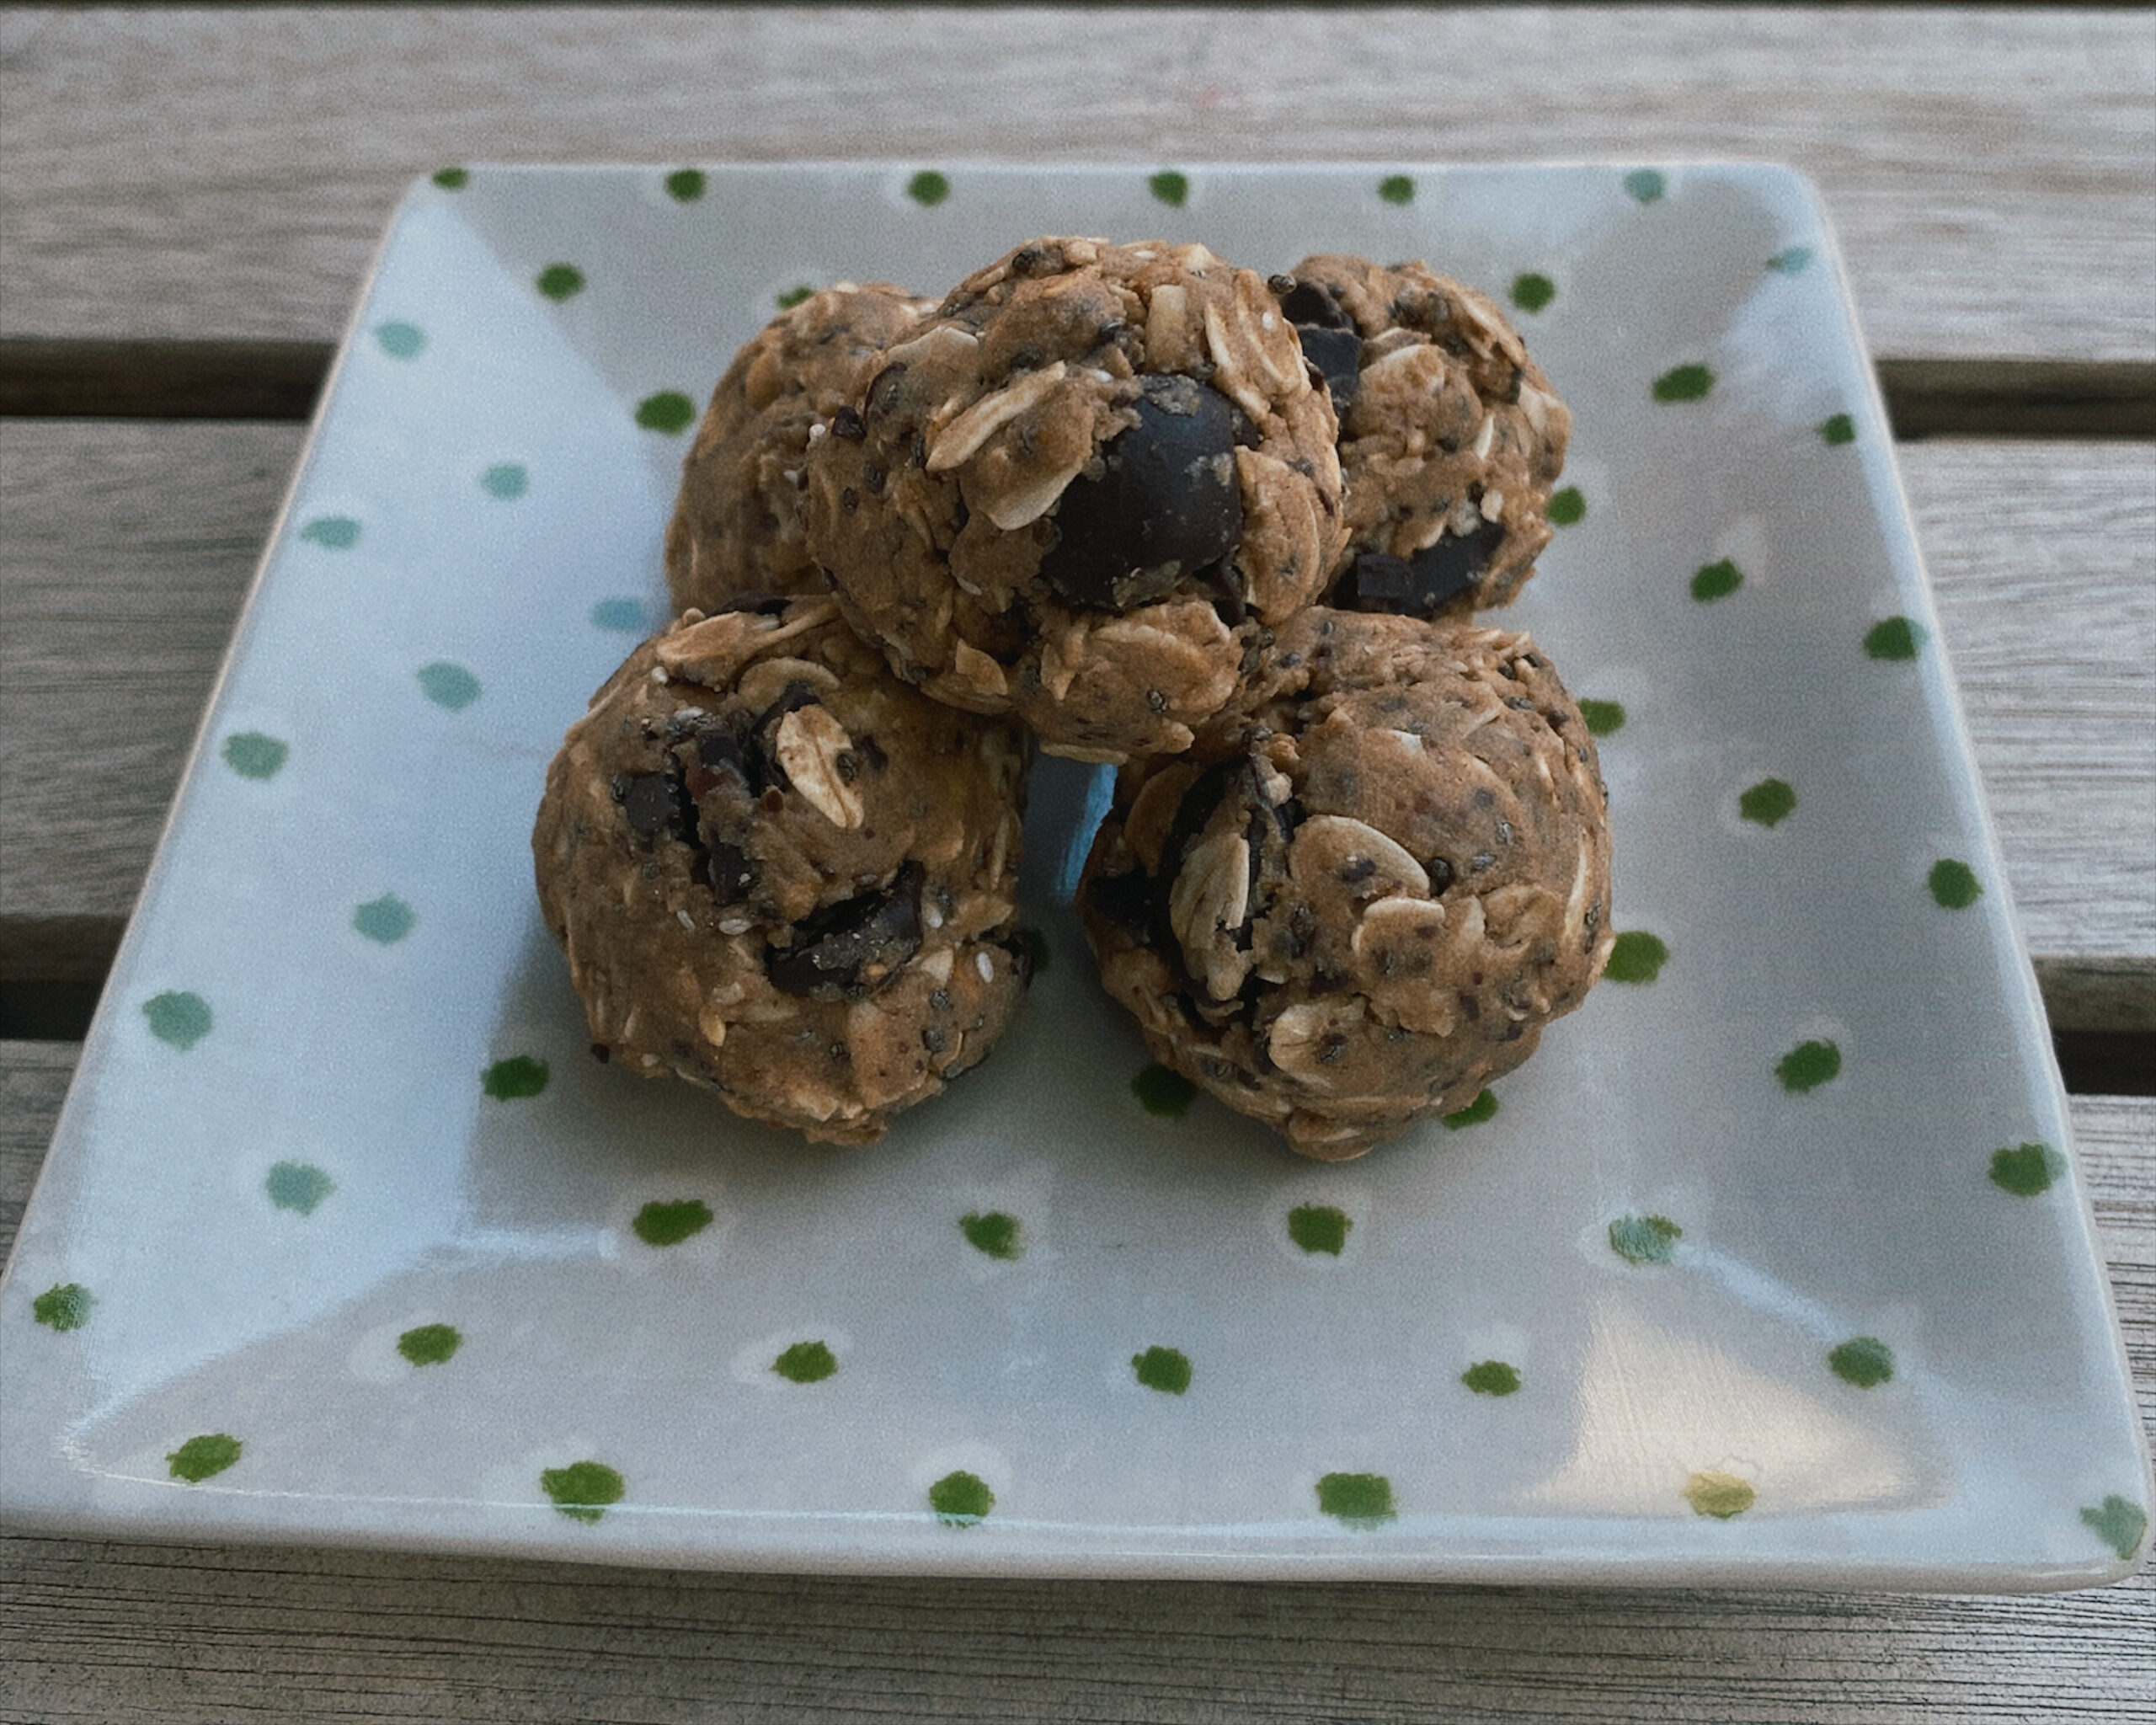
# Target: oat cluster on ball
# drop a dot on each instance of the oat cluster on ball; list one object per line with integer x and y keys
{"x": 1130, "y": 504}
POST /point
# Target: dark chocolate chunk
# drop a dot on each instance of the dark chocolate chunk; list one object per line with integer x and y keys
{"x": 1422, "y": 585}
{"x": 1338, "y": 355}
{"x": 1306, "y": 302}
{"x": 846, "y": 423}
{"x": 656, "y": 803}
{"x": 1128, "y": 900}
{"x": 729, "y": 873}
{"x": 847, "y": 951}
{"x": 1166, "y": 503}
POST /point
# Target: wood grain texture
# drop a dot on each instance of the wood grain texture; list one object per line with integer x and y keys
{"x": 128, "y": 548}
{"x": 228, "y": 172}
{"x": 100, "y": 1632}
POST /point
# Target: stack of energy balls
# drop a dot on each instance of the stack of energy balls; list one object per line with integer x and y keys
{"x": 1126, "y": 504}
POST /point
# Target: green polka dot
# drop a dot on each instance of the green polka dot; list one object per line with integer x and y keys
{"x": 1166, "y": 1370}
{"x": 1644, "y": 1240}
{"x": 669, "y": 411}
{"x": 1646, "y": 185}
{"x": 1893, "y": 638}
{"x": 452, "y": 179}
{"x": 786, "y": 300}
{"x": 994, "y": 1232}
{"x": 1809, "y": 1065}
{"x": 1689, "y": 382}
{"x": 1603, "y": 716}
{"x": 388, "y": 919}
{"x": 1169, "y": 188}
{"x": 505, "y": 481}
{"x": 1531, "y": 292}
{"x": 1362, "y": 1500}
{"x": 1793, "y": 260}
{"x": 448, "y": 684}
{"x": 401, "y": 341}
{"x": 1953, "y": 885}
{"x": 560, "y": 282}
{"x": 1716, "y": 581}
{"x": 961, "y": 1498}
{"x": 1567, "y": 508}
{"x": 1396, "y": 189}
{"x": 1161, "y": 1090}
{"x": 1319, "y": 1228}
{"x": 429, "y": 1345}
{"x": 621, "y": 616}
{"x": 66, "y": 1307}
{"x": 1836, "y": 430}
{"x": 1483, "y": 1108}
{"x": 1863, "y": 1360}
{"x": 298, "y": 1186}
{"x": 583, "y": 1490}
{"x": 2119, "y": 1523}
{"x": 198, "y": 1458}
{"x": 1491, "y": 1377}
{"x": 179, "y": 1018}
{"x": 805, "y": 1362}
{"x": 519, "y": 1075}
{"x": 252, "y": 755}
{"x": 332, "y": 532}
{"x": 1720, "y": 1495}
{"x": 661, "y": 1224}
{"x": 685, "y": 185}
{"x": 928, "y": 188}
{"x": 1636, "y": 956}
{"x": 1768, "y": 803}
{"x": 2026, "y": 1170}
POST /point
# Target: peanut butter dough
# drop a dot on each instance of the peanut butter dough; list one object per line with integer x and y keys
{"x": 780, "y": 872}
{"x": 1363, "y": 892}
{"x": 737, "y": 522}
{"x": 1082, "y": 492}
{"x": 1450, "y": 435}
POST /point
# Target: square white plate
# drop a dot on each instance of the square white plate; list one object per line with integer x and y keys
{"x": 316, "y": 1256}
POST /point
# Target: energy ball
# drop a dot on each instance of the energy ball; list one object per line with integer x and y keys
{"x": 1363, "y": 892}
{"x": 736, "y": 522}
{"x": 1082, "y": 491}
{"x": 780, "y": 872}
{"x": 1450, "y": 436}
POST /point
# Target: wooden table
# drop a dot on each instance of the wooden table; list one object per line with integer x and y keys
{"x": 190, "y": 200}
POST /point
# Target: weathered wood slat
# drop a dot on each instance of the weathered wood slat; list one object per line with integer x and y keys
{"x": 128, "y": 548}
{"x": 226, "y": 173}
{"x": 100, "y": 1631}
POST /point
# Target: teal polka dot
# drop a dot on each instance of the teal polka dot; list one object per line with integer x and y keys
{"x": 1793, "y": 261}
{"x": 448, "y": 684}
{"x": 669, "y": 411}
{"x": 621, "y": 616}
{"x": 332, "y": 532}
{"x": 1646, "y": 185}
{"x": 560, "y": 282}
{"x": 401, "y": 341}
{"x": 388, "y": 919}
{"x": 928, "y": 188}
{"x": 252, "y": 755}
{"x": 179, "y": 1018}
{"x": 506, "y": 481}
{"x": 1644, "y": 1240}
{"x": 64, "y": 1307}
{"x": 1397, "y": 188}
{"x": 685, "y": 185}
{"x": 300, "y": 1187}
{"x": 1169, "y": 188}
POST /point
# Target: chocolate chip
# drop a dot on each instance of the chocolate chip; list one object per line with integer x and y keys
{"x": 1440, "y": 872}
{"x": 846, "y": 423}
{"x": 1127, "y": 900}
{"x": 1166, "y": 503}
{"x": 847, "y": 951}
{"x": 1307, "y": 302}
{"x": 883, "y": 389}
{"x": 656, "y": 803}
{"x": 1424, "y": 583}
{"x": 729, "y": 873}
{"x": 1338, "y": 355}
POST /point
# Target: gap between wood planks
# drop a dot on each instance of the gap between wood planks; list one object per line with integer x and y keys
{"x": 52, "y": 377}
